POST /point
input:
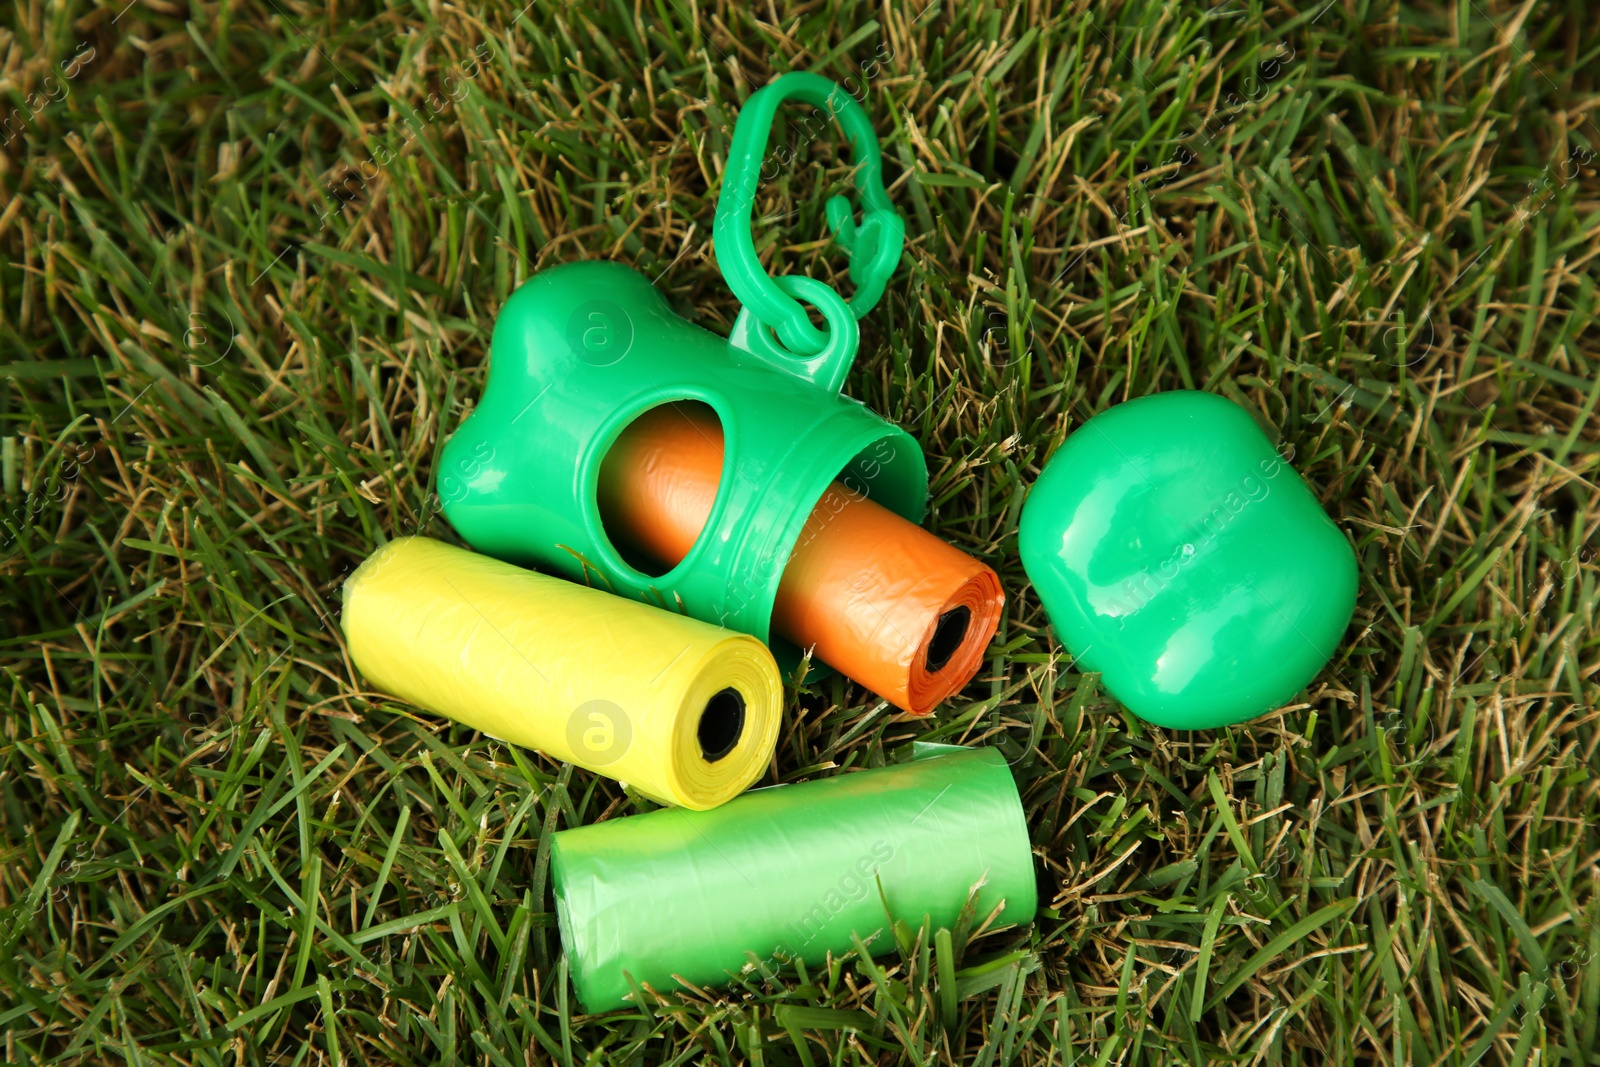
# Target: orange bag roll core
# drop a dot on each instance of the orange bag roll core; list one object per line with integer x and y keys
{"x": 878, "y": 598}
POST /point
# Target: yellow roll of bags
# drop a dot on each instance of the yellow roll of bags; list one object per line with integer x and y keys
{"x": 685, "y": 712}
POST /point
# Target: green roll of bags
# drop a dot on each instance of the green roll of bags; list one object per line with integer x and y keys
{"x": 790, "y": 871}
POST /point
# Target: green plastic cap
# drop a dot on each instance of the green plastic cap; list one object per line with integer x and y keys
{"x": 1180, "y": 556}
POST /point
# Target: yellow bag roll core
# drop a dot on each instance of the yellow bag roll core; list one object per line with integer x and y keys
{"x": 685, "y": 712}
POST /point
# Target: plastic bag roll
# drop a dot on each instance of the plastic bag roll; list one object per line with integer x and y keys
{"x": 685, "y": 712}
{"x": 886, "y": 602}
{"x": 790, "y": 872}
{"x": 878, "y": 598}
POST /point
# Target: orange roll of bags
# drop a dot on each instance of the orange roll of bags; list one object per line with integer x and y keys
{"x": 878, "y": 598}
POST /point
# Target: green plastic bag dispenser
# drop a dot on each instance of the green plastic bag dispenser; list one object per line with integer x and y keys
{"x": 581, "y": 350}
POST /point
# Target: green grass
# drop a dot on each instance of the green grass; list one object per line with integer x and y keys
{"x": 245, "y": 302}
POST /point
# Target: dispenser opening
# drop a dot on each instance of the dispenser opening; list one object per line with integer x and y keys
{"x": 948, "y": 634}
{"x": 721, "y": 723}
